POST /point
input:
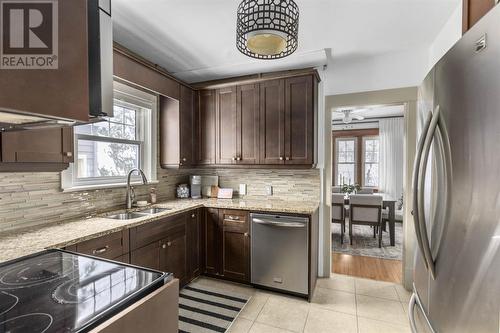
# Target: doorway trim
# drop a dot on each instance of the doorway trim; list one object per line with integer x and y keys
{"x": 401, "y": 96}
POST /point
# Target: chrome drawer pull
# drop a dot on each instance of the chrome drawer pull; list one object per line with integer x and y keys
{"x": 101, "y": 250}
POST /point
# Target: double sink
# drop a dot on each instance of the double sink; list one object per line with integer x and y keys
{"x": 138, "y": 214}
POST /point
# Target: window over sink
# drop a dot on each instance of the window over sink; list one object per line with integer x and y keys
{"x": 107, "y": 150}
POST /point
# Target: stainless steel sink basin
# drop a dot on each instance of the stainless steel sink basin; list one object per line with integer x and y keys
{"x": 154, "y": 210}
{"x": 126, "y": 216}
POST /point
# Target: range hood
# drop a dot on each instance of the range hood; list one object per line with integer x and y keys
{"x": 93, "y": 36}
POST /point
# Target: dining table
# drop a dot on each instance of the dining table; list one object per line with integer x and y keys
{"x": 389, "y": 203}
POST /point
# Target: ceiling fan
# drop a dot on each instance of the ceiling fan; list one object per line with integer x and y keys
{"x": 350, "y": 115}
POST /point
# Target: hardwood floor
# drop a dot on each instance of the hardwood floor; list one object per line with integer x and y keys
{"x": 367, "y": 267}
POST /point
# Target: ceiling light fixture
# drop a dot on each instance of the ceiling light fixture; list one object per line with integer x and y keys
{"x": 267, "y": 29}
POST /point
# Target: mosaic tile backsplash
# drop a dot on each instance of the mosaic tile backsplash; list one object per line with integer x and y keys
{"x": 28, "y": 199}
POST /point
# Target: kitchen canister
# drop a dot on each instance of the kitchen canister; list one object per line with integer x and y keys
{"x": 182, "y": 191}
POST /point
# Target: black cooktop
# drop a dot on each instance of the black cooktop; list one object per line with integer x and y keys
{"x": 59, "y": 291}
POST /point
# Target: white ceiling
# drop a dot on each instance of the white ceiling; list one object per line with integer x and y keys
{"x": 374, "y": 112}
{"x": 195, "y": 39}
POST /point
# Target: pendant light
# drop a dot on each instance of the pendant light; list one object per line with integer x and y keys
{"x": 267, "y": 29}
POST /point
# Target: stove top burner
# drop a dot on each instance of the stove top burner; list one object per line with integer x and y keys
{"x": 28, "y": 274}
{"x": 37, "y": 323}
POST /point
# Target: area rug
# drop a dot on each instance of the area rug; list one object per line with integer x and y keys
{"x": 206, "y": 309}
{"x": 365, "y": 245}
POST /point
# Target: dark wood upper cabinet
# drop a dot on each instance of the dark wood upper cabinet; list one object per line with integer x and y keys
{"x": 177, "y": 133}
{"x": 187, "y": 110}
{"x": 247, "y": 124}
{"x": 205, "y": 125}
{"x": 272, "y": 120}
{"x": 45, "y": 147}
{"x": 299, "y": 120}
{"x": 236, "y": 245}
{"x": 474, "y": 10}
{"x": 226, "y": 126}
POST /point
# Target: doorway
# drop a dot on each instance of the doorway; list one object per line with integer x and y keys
{"x": 367, "y": 176}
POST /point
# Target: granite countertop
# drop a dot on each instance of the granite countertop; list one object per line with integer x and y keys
{"x": 14, "y": 244}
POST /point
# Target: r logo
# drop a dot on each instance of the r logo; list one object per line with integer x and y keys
{"x": 29, "y": 34}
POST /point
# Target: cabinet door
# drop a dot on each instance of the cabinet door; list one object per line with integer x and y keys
{"x": 173, "y": 254}
{"x": 299, "y": 120}
{"x": 206, "y": 127}
{"x": 226, "y": 126}
{"x": 193, "y": 244}
{"x": 212, "y": 232}
{"x": 54, "y": 145}
{"x": 272, "y": 122}
{"x": 147, "y": 256}
{"x": 248, "y": 126}
{"x": 186, "y": 126}
{"x": 474, "y": 10}
{"x": 236, "y": 245}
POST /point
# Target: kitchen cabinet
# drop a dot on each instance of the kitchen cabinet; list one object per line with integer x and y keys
{"x": 205, "y": 128}
{"x": 260, "y": 122}
{"x": 173, "y": 253}
{"x": 272, "y": 120}
{"x": 212, "y": 245}
{"x": 114, "y": 246}
{"x": 50, "y": 149}
{"x": 193, "y": 227}
{"x": 299, "y": 120}
{"x": 176, "y": 130}
{"x": 474, "y": 10}
{"x": 147, "y": 256}
{"x": 226, "y": 125}
{"x": 236, "y": 245}
{"x": 247, "y": 124}
{"x": 227, "y": 244}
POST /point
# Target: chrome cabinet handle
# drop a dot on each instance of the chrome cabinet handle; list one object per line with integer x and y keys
{"x": 184, "y": 159}
{"x": 279, "y": 224}
{"x": 101, "y": 250}
{"x": 238, "y": 158}
{"x": 287, "y": 158}
{"x": 416, "y": 189}
{"x": 234, "y": 158}
{"x": 233, "y": 218}
{"x": 246, "y": 234}
{"x": 193, "y": 216}
{"x": 281, "y": 158}
{"x": 164, "y": 246}
{"x": 68, "y": 154}
{"x": 169, "y": 243}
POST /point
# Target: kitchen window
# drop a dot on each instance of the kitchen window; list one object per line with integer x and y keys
{"x": 370, "y": 161}
{"x": 346, "y": 161}
{"x": 106, "y": 151}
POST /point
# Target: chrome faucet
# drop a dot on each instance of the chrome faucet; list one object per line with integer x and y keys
{"x": 130, "y": 200}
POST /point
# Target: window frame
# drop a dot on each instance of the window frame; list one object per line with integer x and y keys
{"x": 337, "y": 151}
{"x": 359, "y": 134}
{"x": 146, "y": 107}
{"x": 363, "y": 164}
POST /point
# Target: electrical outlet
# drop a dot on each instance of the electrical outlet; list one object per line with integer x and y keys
{"x": 243, "y": 189}
{"x": 269, "y": 190}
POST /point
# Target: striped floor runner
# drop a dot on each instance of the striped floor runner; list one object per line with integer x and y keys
{"x": 203, "y": 309}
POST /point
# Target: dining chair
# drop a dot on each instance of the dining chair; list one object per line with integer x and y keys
{"x": 336, "y": 189}
{"x": 338, "y": 213}
{"x": 365, "y": 190}
{"x": 366, "y": 209}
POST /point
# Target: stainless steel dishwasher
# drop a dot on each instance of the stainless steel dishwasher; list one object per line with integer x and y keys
{"x": 280, "y": 252}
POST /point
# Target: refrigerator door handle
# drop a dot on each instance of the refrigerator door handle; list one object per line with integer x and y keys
{"x": 426, "y": 249}
{"x": 416, "y": 189}
{"x": 415, "y": 300}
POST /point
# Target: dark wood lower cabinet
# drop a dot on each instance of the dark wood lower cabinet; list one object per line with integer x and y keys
{"x": 227, "y": 244}
{"x": 173, "y": 254}
{"x": 193, "y": 226}
{"x": 147, "y": 256}
{"x": 235, "y": 245}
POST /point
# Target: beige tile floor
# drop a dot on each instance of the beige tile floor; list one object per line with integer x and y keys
{"x": 340, "y": 304}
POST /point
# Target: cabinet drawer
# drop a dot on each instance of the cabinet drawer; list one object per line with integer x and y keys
{"x": 154, "y": 231}
{"x": 234, "y": 218}
{"x": 110, "y": 246}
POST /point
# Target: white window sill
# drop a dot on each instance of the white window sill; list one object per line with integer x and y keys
{"x": 105, "y": 186}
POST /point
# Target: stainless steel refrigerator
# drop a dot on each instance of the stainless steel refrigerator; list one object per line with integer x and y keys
{"x": 456, "y": 187}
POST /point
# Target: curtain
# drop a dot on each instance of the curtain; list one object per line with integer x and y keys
{"x": 391, "y": 136}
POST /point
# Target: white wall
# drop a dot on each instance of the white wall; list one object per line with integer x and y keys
{"x": 357, "y": 73}
{"x": 447, "y": 37}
